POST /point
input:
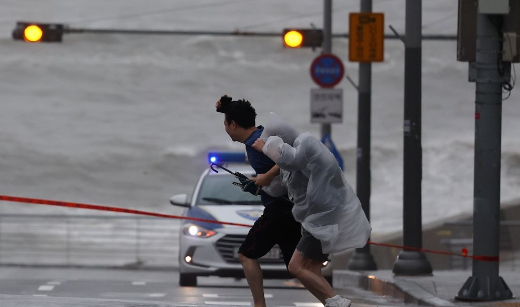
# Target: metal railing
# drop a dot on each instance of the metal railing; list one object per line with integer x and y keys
{"x": 89, "y": 240}
{"x": 462, "y": 237}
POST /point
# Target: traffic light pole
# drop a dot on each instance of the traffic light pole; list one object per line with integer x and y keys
{"x": 485, "y": 284}
{"x": 362, "y": 259}
{"x": 412, "y": 262}
{"x": 327, "y": 48}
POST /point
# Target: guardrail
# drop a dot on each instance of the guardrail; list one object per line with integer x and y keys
{"x": 89, "y": 240}
{"x": 462, "y": 237}
{"x": 152, "y": 243}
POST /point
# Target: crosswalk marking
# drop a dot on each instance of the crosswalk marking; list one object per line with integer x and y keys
{"x": 138, "y": 283}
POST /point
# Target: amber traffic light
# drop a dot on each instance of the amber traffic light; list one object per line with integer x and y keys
{"x": 34, "y": 32}
{"x": 298, "y": 38}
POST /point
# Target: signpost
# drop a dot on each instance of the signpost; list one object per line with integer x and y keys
{"x": 326, "y": 105}
{"x": 366, "y": 37}
{"x": 365, "y": 46}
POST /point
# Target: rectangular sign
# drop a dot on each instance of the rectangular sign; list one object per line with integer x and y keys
{"x": 366, "y": 37}
{"x": 326, "y": 105}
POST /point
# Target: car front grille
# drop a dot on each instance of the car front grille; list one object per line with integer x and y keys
{"x": 228, "y": 248}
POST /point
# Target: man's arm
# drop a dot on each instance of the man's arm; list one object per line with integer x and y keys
{"x": 262, "y": 180}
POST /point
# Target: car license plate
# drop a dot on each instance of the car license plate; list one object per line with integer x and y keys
{"x": 274, "y": 253}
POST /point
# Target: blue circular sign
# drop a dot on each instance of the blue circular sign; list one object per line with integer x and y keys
{"x": 327, "y": 70}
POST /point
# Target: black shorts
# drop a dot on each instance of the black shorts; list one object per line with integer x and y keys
{"x": 275, "y": 226}
{"x": 310, "y": 247}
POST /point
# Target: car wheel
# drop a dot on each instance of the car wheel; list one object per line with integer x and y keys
{"x": 186, "y": 280}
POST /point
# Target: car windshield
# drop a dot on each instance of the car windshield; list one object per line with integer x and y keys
{"x": 219, "y": 190}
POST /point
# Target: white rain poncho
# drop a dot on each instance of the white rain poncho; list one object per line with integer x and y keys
{"x": 324, "y": 202}
{"x": 275, "y": 126}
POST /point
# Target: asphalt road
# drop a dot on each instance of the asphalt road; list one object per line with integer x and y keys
{"x": 28, "y": 287}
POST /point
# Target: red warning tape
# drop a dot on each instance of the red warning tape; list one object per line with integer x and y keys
{"x": 138, "y": 212}
{"x": 104, "y": 208}
{"x": 464, "y": 252}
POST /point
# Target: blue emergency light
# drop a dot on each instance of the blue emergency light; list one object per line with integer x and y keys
{"x": 221, "y": 157}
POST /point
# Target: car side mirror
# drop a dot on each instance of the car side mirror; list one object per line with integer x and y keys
{"x": 180, "y": 200}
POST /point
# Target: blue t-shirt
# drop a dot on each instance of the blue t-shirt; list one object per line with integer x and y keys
{"x": 261, "y": 164}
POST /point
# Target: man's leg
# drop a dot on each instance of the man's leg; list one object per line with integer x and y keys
{"x": 306, "y": 270}
{"x": 254, "y": 278}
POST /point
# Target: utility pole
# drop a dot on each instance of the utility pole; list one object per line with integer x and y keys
{"x": 485, "y": 284}
{"x": 327, "y": 48}
{"x": 362, "y": 259}
{"x": 412, "y": 262}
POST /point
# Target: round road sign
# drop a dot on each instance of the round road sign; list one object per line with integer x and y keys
{"x": 327, "y": 70}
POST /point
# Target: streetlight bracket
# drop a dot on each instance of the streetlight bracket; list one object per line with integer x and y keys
{"x": 399, "y": 36}
{"x": 352, "y": 82}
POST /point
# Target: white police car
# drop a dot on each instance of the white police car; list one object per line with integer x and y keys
{"x": 211, "y": 249}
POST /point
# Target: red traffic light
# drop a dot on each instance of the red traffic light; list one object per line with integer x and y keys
{"x": 297, "y": 38}
{"x": 34, "y": 32}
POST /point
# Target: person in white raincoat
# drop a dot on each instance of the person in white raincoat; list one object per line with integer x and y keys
{"x": 324, "y": 203}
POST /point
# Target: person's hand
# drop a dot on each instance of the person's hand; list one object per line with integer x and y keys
{"x": 258, "y": 144}
{"x": 262, "y": 180}
{"x": 248, "y": 186}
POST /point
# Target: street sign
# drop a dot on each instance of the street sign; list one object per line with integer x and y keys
{"x": 327, "y": 70}
{"x": 366, "y": 37}
{"x": 326, "y": 105}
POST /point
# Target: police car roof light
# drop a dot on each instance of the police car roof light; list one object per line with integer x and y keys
{"x": 221, "y": 157}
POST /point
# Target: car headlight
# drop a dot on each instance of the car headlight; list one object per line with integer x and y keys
{"x": 193, "y": 230}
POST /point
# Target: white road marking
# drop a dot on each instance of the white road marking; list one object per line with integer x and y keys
{"x": 131, "y": 295}
{"x": 228, "y": 303}
{"x": 39, "y": 294}
{"x": 215, "y": 295}
{"x": 139, "y": 283}
{"x": 46, "y": 288}
{"x": 54, "y": 283}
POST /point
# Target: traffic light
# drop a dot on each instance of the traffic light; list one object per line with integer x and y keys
{"x": 297, "y": 38}
{"x": 33, "y": 32}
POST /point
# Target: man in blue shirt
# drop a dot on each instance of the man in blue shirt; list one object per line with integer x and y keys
{"x": 277, "y": 217}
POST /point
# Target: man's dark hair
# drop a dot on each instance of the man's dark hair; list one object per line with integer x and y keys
{"x": 240, "y": 111}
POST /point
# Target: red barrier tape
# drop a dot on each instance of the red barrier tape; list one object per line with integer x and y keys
{"x": 464, "y": 252}
{"x": 138, "y": 212}
{"x": 104, "y": 208}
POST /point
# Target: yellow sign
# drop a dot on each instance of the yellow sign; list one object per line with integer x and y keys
{"x": 366, "y": 37}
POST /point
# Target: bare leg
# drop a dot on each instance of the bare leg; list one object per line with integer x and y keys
{"x": 254, "y": 278}
{"x": 308, "y": 273}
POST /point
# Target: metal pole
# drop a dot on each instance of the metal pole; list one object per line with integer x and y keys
{"x": 485, "y": 284}
{"x": 412, "y": 262}
{"x": 327, "y": 48}
{"x": 362, "y": 260}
